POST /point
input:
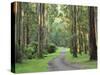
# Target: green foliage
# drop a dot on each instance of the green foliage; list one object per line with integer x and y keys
{"x": 31, "y": 50}
{"x": 36, "y": 65}
{"x": 51, "y": 48}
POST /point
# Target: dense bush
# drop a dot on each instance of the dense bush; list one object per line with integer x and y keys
{"x": 51, "y": 48}
{"x": 31, "y": 50}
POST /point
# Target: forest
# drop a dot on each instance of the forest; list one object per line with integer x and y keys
{"x": 53, "y": 37}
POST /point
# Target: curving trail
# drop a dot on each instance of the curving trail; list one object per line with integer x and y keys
{"x": 60, "y": 64}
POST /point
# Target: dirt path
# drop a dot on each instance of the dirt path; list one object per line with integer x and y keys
{"x": 59, "y": 63}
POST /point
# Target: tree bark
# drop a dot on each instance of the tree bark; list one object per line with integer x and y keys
{"x": 92, "y": 36}
{"x": 74, "y": 32}
{"x": 40, "y": 12}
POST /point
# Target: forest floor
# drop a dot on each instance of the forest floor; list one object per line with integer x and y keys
{"x": 36, "y": 65}
{"x": 61, "y": 63}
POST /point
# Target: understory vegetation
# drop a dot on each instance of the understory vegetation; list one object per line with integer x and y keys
{"x": 34, "y": 65}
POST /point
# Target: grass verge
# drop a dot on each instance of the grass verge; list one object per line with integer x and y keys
{"x": 36, "y": 65}
{"x": 82, "y": 60}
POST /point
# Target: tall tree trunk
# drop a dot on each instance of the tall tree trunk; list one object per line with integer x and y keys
{"x": 28, "y": 28}
{"x": 75, "y": 32}
{"x": 21, "y": 28}
{"x": 40, "y": 29}
{"x": 92, "y": 35}
{"x": 80, "y": 48}
{"x": 18, "y": 32}
{"x": 18, "y": 22}
{"x": 79, "y": 10}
